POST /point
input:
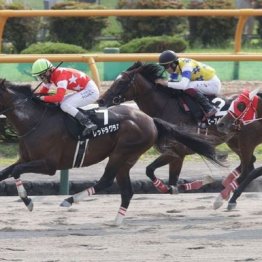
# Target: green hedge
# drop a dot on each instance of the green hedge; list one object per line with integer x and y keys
{"x": 154, "y": 44}
{"x": 53, "y": 48}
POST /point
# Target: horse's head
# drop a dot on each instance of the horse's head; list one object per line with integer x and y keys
{"x": 135, "y": 81}
{"x": 241, "y": 111}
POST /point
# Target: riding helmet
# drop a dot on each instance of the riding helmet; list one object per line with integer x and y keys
{"x": 167, "y": 57}
{"x": 40, "y": 66}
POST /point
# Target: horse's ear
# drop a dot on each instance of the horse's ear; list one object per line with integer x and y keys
{"x": 2, "y": 82}
{"x": 253, "y": 93}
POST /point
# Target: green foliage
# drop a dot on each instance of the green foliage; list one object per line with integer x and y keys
{"x": 209, "y": 31}
{"x": 53, "y": 48}
{"x": 258, "y": 4}
{"x": 154, "y": 44}
{"x": 7, "y": 132}
{"x": 137, "y": 27}
{"x": 76, "y": 30}
{"x": 20, "y": 31}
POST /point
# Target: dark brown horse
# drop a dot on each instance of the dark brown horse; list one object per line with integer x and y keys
{"x": 47, "y": 142}
{"x": 244, "y": 117}
{"x": 138, "y": 84}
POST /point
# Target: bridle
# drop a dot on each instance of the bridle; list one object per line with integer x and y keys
{"x": 131, "y": 78}
{"x": 239, "y": 120}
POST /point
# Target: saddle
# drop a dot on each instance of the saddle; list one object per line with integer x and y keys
{"x": 106, "y": 121}
{"x": 189, "y": 106}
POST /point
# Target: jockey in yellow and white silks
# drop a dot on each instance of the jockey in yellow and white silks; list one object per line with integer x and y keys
{"x": 194, "y": 78}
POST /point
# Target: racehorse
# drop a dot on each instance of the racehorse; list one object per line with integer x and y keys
{"x": 138, "y": 83}
{"x": 244, "y": 117}
{"x": 48, "y": 142}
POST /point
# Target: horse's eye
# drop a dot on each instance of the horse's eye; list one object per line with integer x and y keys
{"x": 241, "y": 106}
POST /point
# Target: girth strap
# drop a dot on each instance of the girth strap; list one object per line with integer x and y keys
{"x": 80, "y": 153}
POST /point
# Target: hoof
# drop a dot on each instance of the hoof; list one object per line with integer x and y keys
{"x": 173, "y": 190}
{"x": 67, "y": 202}
{"x": 30, "y": 205}
{"x": 218, "y": 202}
{"x": 231, "y": 206}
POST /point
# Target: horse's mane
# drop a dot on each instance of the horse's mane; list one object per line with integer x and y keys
{"x": 17, "y": 88}
{"x": 149, "y": 71}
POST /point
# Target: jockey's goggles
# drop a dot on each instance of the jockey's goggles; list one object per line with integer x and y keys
{"x": 42, "y": 77}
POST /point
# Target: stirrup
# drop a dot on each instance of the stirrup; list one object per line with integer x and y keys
{"x": 89, "y": 128}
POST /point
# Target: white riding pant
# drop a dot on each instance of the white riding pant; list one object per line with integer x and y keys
{"x": 210, "y": 87}
{"x": 85, "y": 97}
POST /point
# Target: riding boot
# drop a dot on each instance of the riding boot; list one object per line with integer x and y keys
{"x": 85, "y": 121}
{"x": 209, "y": 109}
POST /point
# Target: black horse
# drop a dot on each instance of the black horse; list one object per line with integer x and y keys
{"x": 138, "y": 84}
{"x": 48, "y": 142}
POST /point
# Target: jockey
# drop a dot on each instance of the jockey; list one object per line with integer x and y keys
{"x": 86, "y": 91}
{"x": 196, "y": 79}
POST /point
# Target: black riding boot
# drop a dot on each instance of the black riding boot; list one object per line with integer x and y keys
{"x": 85, "y": 121}
{"x": 209, "y": 109}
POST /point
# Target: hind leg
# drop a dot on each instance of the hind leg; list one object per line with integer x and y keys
{"x": 105, "y": 181}
{"x": 150, "y": 169}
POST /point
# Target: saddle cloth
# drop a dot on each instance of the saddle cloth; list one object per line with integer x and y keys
{"x": 106, "y": 121}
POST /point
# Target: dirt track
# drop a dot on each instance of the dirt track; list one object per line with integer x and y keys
{"x": 177, "y": 228}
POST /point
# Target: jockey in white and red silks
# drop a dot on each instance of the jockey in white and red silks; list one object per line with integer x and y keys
{"x": 84, "y": 89}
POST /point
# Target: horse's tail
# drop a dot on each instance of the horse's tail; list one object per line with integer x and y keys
{"x": 168, "y": 132}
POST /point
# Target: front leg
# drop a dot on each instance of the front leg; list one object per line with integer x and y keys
{"x": 7, "y": 172}
{"x": 38, "y": 166}
{"x": 42, "y": 166}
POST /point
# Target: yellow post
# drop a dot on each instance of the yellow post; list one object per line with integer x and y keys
{"x": 239, "y": 32}
{"x": 2, "y": 26}
{"x": 94, "y": 71}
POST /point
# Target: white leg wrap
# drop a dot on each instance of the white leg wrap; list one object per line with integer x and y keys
{"x": 120, "y": 216}
{"x": 80, "y": 196}
{"x": 20, "y": 188}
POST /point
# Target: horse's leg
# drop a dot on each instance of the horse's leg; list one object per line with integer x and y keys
{"x": 123, "y": 180}
{"x": 233, "y": 175}
{"x": 237, "y": 193}
{"x": 174, "y": 172}
{"x": 246, "y": 169}
{"x": 6, "y": 173}
{"x": 247, "y": 165}
{"x": 38, "y": 166}
{"x": 105, "y": 181}
{"x": 150, "y": 169}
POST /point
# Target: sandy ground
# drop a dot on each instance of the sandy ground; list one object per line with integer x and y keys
{"x": 177, "y": 228}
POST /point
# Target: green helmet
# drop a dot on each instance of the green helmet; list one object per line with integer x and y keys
{"x": 40, "y": 66}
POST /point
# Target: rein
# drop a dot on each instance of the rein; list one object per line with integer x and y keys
{"x": 35, "y": 126}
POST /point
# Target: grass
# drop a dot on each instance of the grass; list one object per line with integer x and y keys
{"x": 9, "y": 154}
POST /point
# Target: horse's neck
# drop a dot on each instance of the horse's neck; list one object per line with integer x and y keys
{"x": 25, "y": 116}
{"x": 158, "y": 104}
